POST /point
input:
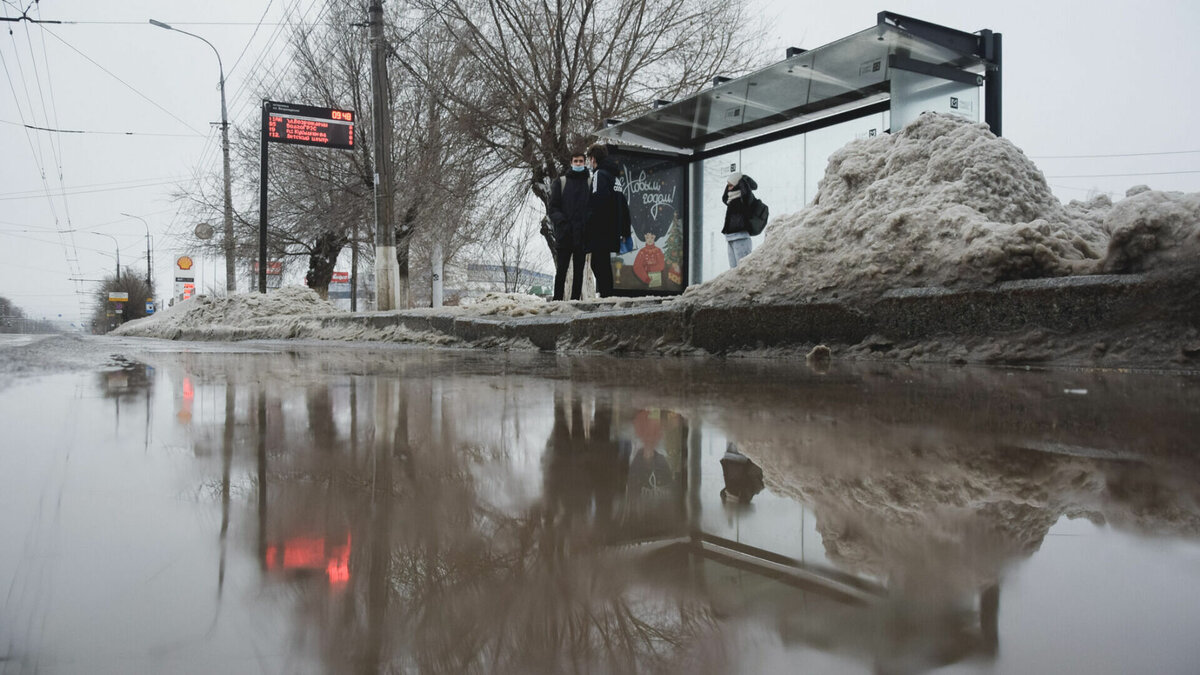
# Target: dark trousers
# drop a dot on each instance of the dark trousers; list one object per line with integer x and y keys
{"x": 602, "y": 269}
{"x": 565, "y": 256}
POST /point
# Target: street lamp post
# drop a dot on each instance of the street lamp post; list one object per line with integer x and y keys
{"x": 149, "y": 275}
{"x": 230, "y": 268}
{"x": 118, "y": 247}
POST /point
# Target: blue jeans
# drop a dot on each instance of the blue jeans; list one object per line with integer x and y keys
{"x": 739, "y": 248}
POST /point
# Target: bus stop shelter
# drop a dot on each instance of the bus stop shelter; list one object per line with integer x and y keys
{"x": 779, "y": 125}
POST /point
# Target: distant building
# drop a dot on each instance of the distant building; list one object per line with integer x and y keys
{"x": 473, "y": 280}
{"x": 482, "y": 278}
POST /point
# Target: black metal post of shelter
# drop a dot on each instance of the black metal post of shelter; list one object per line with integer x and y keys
{"x": 993, "y": 84}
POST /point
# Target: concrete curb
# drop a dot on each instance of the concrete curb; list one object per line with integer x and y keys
{"x": 1068, "y": 306}
{"x": 1063, "y": 305}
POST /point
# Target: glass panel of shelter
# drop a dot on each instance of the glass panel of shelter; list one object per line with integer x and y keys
{"x": 788, "y": 172}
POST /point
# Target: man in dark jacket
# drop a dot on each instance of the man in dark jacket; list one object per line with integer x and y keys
{"x": 568, "y": 210}
{"x": 602, "y": 238}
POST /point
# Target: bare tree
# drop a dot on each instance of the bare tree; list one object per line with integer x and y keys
{"x": 106, "y": 314}
{"x": 318, "y": 198}
{"x": 545, "y": 75}
{"x": 513, "y": 250}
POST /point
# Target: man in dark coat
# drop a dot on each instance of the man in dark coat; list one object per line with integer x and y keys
{"x": 568, "y": 210}
{"x": 602, "y": 237}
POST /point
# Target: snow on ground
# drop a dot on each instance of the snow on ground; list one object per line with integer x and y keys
{"x": 297, "y": 311}
{"x": 944, "y": 202}
{"x": 234, "y": 311}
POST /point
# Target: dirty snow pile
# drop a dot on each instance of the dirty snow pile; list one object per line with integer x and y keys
{"x": 245, "y": 311}
{"x": 946, "y": 203}
{"x": 512, "y": 305}
{"x": 298, "y": 312}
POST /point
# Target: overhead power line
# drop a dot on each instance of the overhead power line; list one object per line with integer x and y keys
{"x": 1118, "y": 175}
{"x": 86, "y": 131}
{"x": 67, "y": 192}
{"x": 1124, "y": 154}
{"x": 118, "y": 79}
{"x": 173, "y": 23}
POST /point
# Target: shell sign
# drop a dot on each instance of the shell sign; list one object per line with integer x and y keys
{"x": 185, "y": 277}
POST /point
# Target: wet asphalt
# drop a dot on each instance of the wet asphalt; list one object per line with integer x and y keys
{"x": 299, "y": 507}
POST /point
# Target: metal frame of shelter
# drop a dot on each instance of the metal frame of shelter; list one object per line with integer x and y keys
{"x": 845, "y": 80}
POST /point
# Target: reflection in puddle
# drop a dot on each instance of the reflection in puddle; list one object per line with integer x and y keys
{"x": 435, "y": 513}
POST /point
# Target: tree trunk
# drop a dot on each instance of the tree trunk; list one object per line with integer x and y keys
{"x": 322, "y": 261}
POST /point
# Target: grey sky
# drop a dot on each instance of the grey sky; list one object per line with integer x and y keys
{"x": 1081, "y": 78}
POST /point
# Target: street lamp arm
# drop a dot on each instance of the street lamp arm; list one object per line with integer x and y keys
{"x": 149, "y": 248}
{"x": 220, "y": 64}
{"x": 117, "y": 245}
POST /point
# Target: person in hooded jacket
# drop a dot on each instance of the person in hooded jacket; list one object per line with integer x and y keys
{"x": 738, "y": 198}
{"x": 568, "y": 210}
{"x": 602, "y": 238}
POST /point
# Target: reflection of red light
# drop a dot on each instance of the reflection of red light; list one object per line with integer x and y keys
{"x": 185, "y": 409}
{"x": 338, "y": 569}
{"x": 303, "y": 553}
{"x": 309, "y": 554}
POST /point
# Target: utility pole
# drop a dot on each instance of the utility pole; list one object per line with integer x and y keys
{"x": 230, "y": 261}
{"x": 387, "y": 270}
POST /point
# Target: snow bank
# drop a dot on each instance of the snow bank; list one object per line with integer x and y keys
{"x": 234, "y": 311}
{"x": 298, "y": 312}
{"x": 944, "y": 202}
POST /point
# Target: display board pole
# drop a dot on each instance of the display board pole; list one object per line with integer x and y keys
{"x": 262, "y": 205}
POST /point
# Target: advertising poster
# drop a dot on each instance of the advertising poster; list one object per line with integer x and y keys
{"x": 656, "y": 188}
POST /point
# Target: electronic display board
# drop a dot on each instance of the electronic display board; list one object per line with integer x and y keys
{"x": 309, "y": 125}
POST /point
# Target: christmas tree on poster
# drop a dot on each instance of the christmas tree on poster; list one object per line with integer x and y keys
{"x": 673, "y": 251}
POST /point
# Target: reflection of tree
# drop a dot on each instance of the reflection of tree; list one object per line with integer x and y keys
{"x": 439, "y": 579}
{"x": 128, "y": 380}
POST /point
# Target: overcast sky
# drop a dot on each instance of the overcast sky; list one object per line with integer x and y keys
{"x": 1080, "y": 79}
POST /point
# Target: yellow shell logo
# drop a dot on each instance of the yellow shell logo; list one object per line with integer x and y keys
{"x": 184, "y": 262}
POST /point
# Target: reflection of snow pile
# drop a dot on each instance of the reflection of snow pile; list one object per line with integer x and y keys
{"x": 946, "y": 203}
{"x": 960, "y": 511}
{"x": 241, "y": 310}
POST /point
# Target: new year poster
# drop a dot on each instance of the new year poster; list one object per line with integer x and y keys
{"x": 655, "y": 188}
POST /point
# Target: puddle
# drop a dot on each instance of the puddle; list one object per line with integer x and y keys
{"x": 354, "y": 510}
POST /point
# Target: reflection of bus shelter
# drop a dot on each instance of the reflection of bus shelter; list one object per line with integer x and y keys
{"x": 813, "y": 603}
{"x": 888, "y": 74}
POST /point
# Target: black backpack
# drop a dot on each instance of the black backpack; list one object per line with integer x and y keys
{"x": 759, "y": 213}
